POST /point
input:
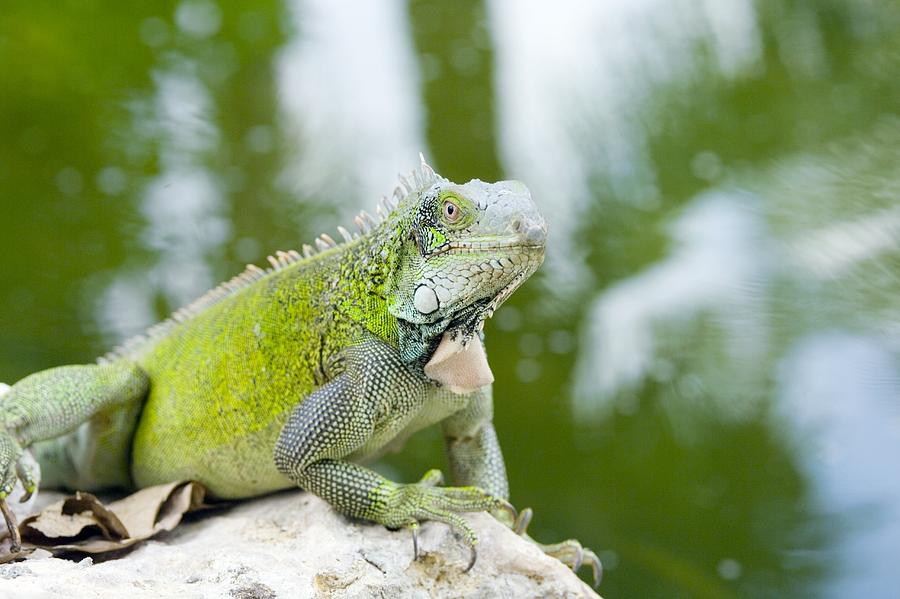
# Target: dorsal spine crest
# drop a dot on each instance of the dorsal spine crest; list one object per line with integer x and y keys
{"x": 421, "y": 178}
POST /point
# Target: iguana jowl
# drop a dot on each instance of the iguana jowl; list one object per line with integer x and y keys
{"x": 293, "y": 375}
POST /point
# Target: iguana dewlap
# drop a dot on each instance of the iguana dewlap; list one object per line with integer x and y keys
{"x": 462, "y": 368}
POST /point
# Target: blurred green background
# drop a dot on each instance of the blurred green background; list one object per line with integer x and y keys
{"x": 703, "y": 381}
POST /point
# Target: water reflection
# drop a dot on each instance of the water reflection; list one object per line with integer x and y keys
{"x": 347, "y": 123}
{"x": 839, "y": 400}
{"x": 719, "y": 269}
{"x": 701, "y": 383}
{"x": 749, "y": 239}
{"x": 574, "y": 105}
{"x": 353, "y": 117}
{"x": 182, "y": 205}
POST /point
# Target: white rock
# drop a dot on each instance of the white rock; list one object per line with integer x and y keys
{"x": 294, "y": 545}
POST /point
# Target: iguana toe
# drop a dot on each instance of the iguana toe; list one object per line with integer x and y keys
{"x": 570, "y": 552}
{"x": 432, "y": 478}
{"x": 26, "y": 475}
{"x": 520, "y": 524}
{"x": 408, "y": 505}
{"x": 575, "y": 555}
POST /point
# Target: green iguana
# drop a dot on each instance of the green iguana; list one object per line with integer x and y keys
{"x": 293, "y": 375}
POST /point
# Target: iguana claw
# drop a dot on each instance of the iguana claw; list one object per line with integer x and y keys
{"x": 521, "y": 522}
{"x": 407, "y": 505}
{"x": 511, "y": 510}
{"x": 574, "y": 555}
{"x": 16, "y": 544}
{"x": 471, "y": 559}
{"x": 11, "y": 468}
{"x": 414, "y": 529}
{"x": 570, "y": 552}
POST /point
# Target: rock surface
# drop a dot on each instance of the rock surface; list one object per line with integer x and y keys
{"x": 294, "y": 545}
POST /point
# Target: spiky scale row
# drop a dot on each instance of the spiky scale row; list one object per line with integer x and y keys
{"x": 368, "y": 219}
{"x": 324, "y": 242}
{"x": 365, "y": 222}
{"x": 280, "y": 260}
{"x": 345, "y": 234}
{"x": 405, "y": 183}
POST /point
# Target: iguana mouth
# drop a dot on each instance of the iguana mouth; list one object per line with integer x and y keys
{"x": 492, "y": 245}
{"x": 488, "y": 245}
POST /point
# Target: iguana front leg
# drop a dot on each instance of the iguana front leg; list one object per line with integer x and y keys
{"x": 475, "y": 459}
{"x": 361, "y": 409}
{"x": 53, "y": 402}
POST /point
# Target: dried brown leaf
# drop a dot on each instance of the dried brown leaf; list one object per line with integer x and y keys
{"x": 83, "y": 523}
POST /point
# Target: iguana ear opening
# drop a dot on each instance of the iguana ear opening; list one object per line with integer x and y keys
{"x": 461, "y": 368}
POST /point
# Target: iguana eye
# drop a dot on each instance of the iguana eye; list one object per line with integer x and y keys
{"x": 451, "y": 211}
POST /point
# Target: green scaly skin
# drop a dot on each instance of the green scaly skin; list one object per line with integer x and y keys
{"x": 296, "y": 375}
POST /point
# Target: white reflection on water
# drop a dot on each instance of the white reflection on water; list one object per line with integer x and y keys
{"x": 350, "y": 101}
{"x": 838, "y": 218}
{"x": 349, "y": 106}
{"x": 840, "y": 398}
{"x": 572, "y": 80}
{"x": 185, "y": 222}
{"x": 808, "y": 280}
{"x": 719, "y": 266}
{"x": 834, "y": 249}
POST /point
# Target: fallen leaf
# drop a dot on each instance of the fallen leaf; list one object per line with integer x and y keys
{"x": 83, "y": 523}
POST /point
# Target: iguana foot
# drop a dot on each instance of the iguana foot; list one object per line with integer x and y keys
{"x": 406, "y": 505}
{"x": 12, "y": 467}
{"x": 570, "y": 552}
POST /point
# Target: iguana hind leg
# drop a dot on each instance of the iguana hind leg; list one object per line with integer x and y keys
{"x": 364, "y": 407}
{"x": 51, "y": 403}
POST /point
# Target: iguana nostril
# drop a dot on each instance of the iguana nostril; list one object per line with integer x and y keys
{"x": 535, "y": 234}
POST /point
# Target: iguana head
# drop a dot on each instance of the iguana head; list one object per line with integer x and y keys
{"x": 463, "y": 250}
